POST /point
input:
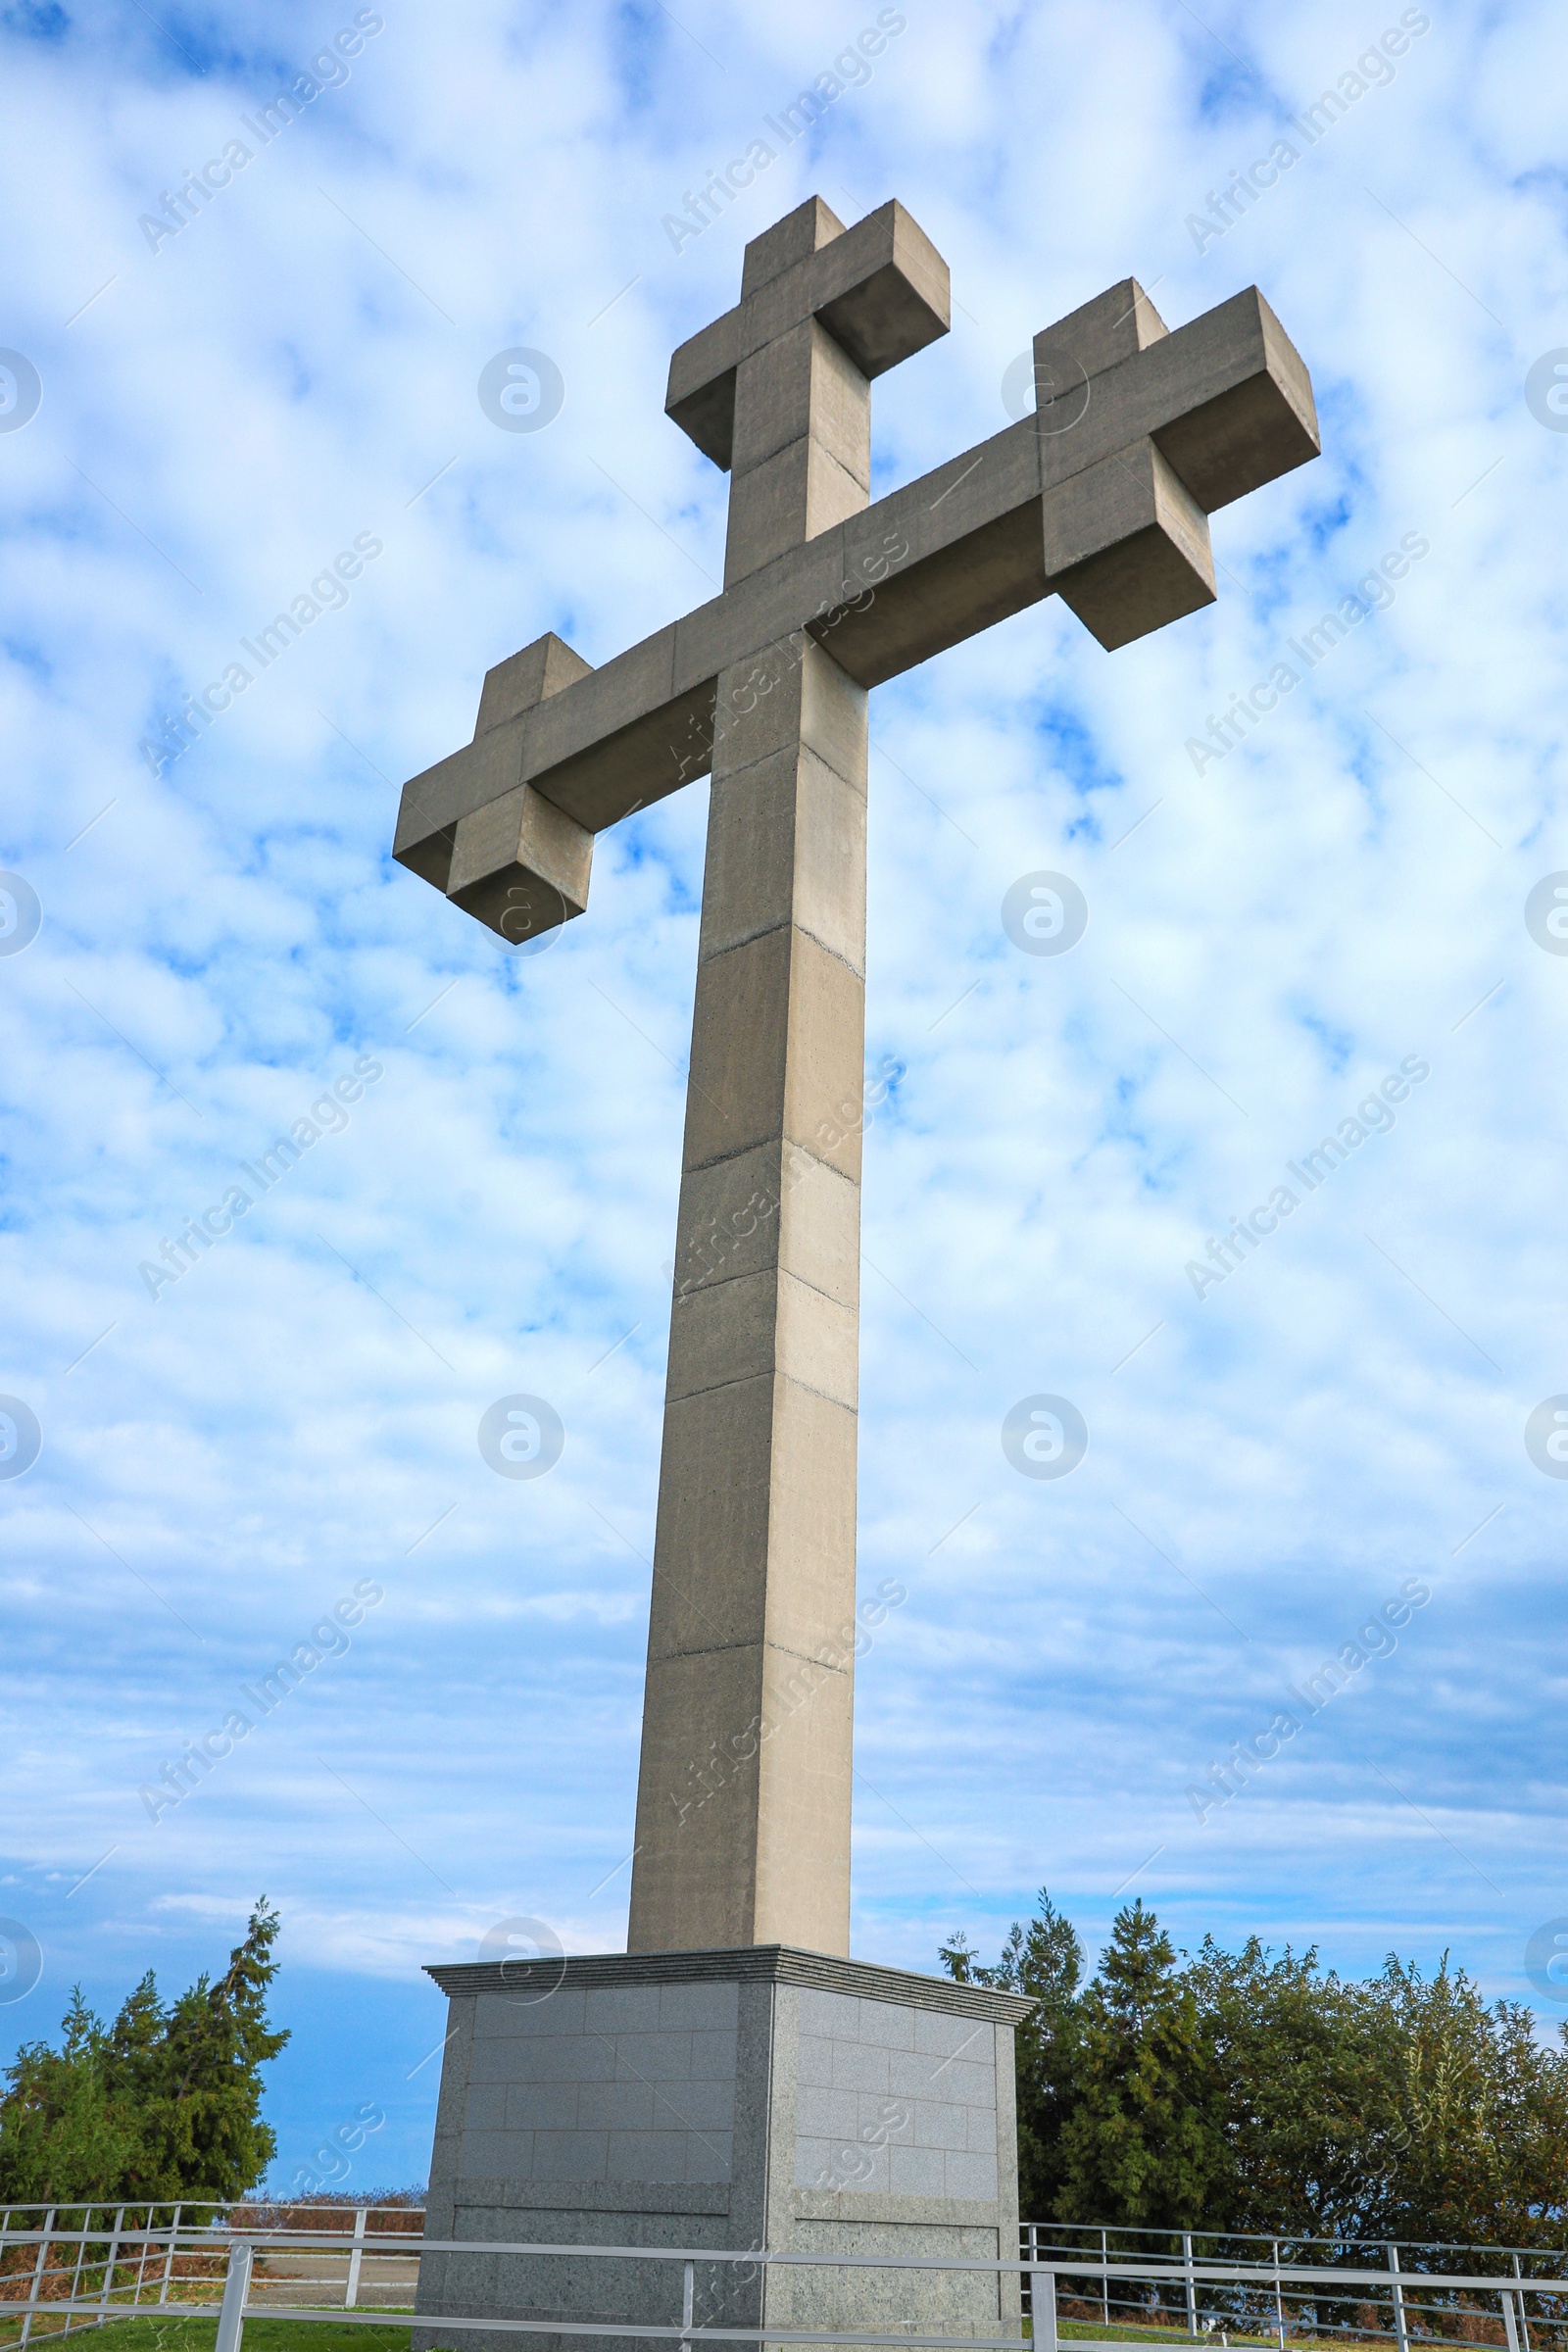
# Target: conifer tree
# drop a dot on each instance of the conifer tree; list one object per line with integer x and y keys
{"x": 1259, "y": 2093}
{"x": 164, "y": 2103}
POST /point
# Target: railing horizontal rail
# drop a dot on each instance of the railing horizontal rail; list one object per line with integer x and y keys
{"x": 1204, "y": 2273}
{"x": 1243, "y": 2237}
{"x": 564, "y": 2326}
{"x": 96, "y": 2263}
{"x": 561, "y": 2325}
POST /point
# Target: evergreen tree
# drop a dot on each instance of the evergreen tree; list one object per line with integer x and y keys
{"x": 1144, "y": 2142}
{"x": 164, "y": 2103}
{"x": 63, "y": 2134}
{"x": 1260, "y": 2095}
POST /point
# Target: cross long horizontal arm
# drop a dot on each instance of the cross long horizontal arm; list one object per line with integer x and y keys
{"x": 1179, "y": 427}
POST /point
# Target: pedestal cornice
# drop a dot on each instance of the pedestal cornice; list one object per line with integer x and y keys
{"x": 747, "y": 1964}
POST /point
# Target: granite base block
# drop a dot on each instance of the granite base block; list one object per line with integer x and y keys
{"x": 727, "y": 2101}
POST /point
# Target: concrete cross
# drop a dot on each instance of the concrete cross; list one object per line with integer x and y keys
{"x": 1101, "y": 496}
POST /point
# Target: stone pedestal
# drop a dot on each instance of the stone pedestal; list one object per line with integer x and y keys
{"x": 757, "y": 2098}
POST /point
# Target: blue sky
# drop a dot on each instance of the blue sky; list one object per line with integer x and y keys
{"x": 1268, "y": 939}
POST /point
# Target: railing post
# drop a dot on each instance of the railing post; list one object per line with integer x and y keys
{"x": 1278, "y": 2298}
{"x": 1105, "y": 2277}
{"x": 146, "y": 2235}
{"x": 1043, "y": 2309}
{"x": 1524, "y": 2323}
{"x": 169, "y": 2258}
{"x": 1510, "y": 2328}
{"x": 688, "y": 2298}
{"x": 111, "y": 2264}
{"x": 350, "y": 2294}
{"x": 236, "y": 2286}
{"x": 37, "y": 2272}
{"x": 81, "y": 2256}
{"x": 1192, "y": 2283}
{"x": 1399, "y": 2328}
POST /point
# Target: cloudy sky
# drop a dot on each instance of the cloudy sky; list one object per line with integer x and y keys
{"x": 221, "y": 413}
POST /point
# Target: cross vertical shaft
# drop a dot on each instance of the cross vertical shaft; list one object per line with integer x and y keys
{"x": 742, "y": 1811}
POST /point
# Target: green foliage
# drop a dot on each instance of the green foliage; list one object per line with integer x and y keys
{"x": 1145, "y": 2136}
{"x": 1255, "y": 2093}
{"x": 166, "y": 2102}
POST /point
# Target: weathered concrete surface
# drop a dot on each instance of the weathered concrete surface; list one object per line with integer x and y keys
{"x": 725, "y": 2100}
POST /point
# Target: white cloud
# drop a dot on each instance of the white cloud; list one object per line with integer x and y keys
{"x": 1342, "y": 891}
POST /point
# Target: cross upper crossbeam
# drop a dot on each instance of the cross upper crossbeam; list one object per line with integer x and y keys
{"x": 1101, "y": 496}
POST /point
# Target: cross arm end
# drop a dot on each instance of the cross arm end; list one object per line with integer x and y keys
{"x": 700, "y": 396}
{"x": 477, "y": 830}
{"x": 895, "y": 294}
{"x": 1260, "y": 421}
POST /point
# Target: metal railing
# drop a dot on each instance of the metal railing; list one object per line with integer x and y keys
{"x": 1301, "y": 2291}
{"x": 66, "y": 2267}
{"x": 62, "y": 2266}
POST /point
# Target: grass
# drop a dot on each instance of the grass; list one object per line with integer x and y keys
{"x": 184, "y": 2334}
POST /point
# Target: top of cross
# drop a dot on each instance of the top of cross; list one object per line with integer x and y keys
{"x": 1101, "y": 496}
{"x": 880, "y": 290}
